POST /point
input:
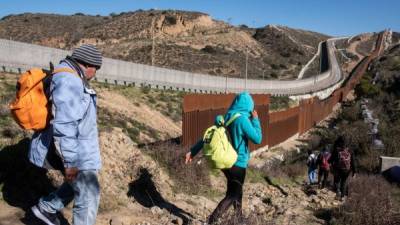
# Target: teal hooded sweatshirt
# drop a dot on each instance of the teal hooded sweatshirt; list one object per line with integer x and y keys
{"x": 243, "y": 128}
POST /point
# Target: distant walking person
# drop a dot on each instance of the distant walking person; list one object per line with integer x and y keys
{"x": 323, "y": 167}
{"x": 244, "y": 128}
{"x": 312, "y": 167}
{"x": 72, "y": 138}
{"x": 343, "y": 162}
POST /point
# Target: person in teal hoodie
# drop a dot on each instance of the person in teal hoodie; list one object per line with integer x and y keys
{"x": 244, "y": 128}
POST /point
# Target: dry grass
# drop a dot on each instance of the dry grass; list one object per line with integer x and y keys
{"x": 252, "y": 219}
{"x": 193, "y": 178}
{"x": 10, "y": 132}
{"x": 168, "y": 102}
{"x": 290, "y": 172}
{"x": 371, "y": 201}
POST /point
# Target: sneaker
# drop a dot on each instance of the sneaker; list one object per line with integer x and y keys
{"x": 48, "y": 218}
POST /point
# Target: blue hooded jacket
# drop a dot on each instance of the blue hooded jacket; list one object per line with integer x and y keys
{"x": 243, "y": 128}
{"x": 73, "y": 128}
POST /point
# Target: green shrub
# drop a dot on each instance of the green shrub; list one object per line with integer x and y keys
{"x": 145, "y": 89}
{"x": 366, "y": 88}
{"x": 351, "y": 113}
{"x": 254, "y": 176}
{"x": 278, "y": 103}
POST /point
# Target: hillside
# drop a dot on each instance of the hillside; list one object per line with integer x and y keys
{"x": 144, "y": 179}
{"x": 371, "y": 125}
{"x": 147, "y": 183}
{"x": 180, "y": 39}
{"x": 395, "y": 38}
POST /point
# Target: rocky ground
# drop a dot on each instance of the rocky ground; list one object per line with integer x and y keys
{"x": 128, "y": 176}
{"x": 136, "y": 187}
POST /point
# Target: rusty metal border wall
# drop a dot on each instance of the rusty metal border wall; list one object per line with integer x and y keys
{"x": 283, "y": 125}
{"x": 199, "y": 110}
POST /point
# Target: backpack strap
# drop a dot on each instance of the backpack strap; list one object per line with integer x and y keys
{"x": 235, "y": 116}
{"x": 64, "y": 69}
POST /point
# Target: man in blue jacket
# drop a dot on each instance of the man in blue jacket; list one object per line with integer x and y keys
{"x": 244, "y": 128}
{"x": 72, "y": 136}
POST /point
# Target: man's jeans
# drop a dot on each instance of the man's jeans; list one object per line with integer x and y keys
{"x": 84, "y": 190}
{"x": 312, "y": 175}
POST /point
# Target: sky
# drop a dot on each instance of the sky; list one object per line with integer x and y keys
{"x": 332, "y": 17}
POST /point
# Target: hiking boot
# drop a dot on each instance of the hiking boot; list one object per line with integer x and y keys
{"x": 47, "y": 218}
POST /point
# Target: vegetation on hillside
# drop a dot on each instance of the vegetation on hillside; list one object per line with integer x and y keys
{"x": 379, "y": 203}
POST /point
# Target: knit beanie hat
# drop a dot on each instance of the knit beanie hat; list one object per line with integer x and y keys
{"x": 87, "y": 54}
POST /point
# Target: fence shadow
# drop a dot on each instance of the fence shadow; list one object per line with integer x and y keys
{"x": 145, "y": 193}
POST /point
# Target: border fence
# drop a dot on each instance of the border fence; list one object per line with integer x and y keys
{"x": 17, "y": 57}
{"x": 199, "y": 110}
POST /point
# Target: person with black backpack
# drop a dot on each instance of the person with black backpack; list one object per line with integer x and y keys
{"x": 343, "y": 162}
{"x": 312, "y": 167}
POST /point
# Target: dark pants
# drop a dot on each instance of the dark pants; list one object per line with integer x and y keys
{"x": 324, "y": 174}
{"x": 235, "y": 178}
{"x": 340, "y": 179}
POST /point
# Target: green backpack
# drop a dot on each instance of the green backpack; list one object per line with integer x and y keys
{"x": 217, "y": 149}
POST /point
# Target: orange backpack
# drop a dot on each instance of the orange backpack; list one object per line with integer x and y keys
{"x": 30, "y": 108}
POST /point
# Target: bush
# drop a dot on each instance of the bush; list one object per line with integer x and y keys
{"x": 365, "y": 88}
{"x": 351, "y": 114}
{"x": 252, "y": 219}
{"x": 357, "y": 136}
{"x": 190, "y": 178}
{"x": 388, "y": 130}
{"x": 145, "y": 89}
{"x": 274, "y": 66}
{"x": 287, "y": 172}
{"x": 295, "y": 170}
{"x": 209, "y": 49}
{"x": 370, "y": 201}
{"x": 170, "y": 20}
{"x": 279, "y": 103}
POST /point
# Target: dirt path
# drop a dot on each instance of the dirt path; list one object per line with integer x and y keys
{"x": 348, "y": 67}
{"x": 10, "y": 215}
{"x": 297, "y": 208}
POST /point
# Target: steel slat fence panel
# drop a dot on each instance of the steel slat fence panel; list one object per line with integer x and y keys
{"x": 263, "y": 115}
{"x": 283, "y": 125}
{"x": 207, "y": 107}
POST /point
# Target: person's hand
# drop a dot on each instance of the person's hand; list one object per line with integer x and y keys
{"x": 70, "y": 174}
{"x": 188, "y": 158}
{"x": 254, "y": 114}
